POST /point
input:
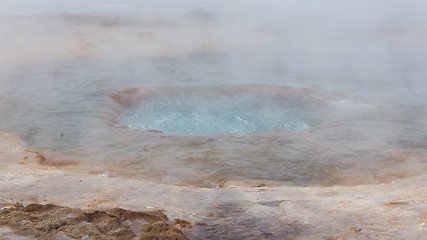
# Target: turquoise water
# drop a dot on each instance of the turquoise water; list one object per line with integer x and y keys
{"x": 201, "y": 114}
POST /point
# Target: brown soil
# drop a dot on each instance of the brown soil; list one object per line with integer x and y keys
{"x": 56, "y": 222}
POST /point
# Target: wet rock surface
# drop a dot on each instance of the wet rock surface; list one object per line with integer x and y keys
{"x": 60, "y": 204}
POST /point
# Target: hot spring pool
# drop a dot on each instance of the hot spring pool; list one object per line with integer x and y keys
{"x": 200, "y": 94}
{"x": 238, "y": 110}
{"x": 155, "y": 104}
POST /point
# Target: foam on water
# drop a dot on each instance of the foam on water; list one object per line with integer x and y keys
{"x": 196, "y": 114}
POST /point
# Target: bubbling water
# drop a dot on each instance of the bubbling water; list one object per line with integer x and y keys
{"x": 198, "y": 114}
{"x": 236, "y": 110}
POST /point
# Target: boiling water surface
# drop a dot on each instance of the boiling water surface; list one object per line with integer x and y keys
{"x": 362, "y": 71}
{"x": 217, "y": 113}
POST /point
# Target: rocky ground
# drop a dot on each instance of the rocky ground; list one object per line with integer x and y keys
{"x": 55, "y": 222}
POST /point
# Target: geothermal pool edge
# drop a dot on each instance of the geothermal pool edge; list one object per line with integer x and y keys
{"x": 385, "y": 211}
